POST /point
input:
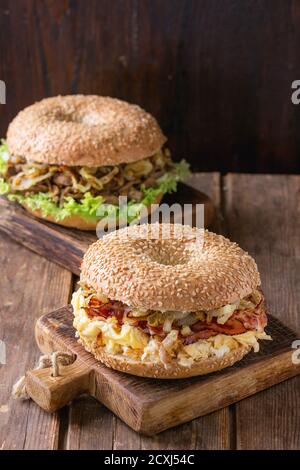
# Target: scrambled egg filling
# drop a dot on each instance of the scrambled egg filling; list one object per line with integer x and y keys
{"x": 116, "y": 339}
{"x": 131, "y": 341}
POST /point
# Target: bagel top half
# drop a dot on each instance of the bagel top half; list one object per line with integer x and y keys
{"x": 87, "y": 130}
{"x": 169, "y": 267}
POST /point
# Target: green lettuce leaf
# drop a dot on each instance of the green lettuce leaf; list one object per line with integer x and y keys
{"x": 4, "y": 187}
{"x": 86, "y": 207}
{"x": 167, "y": 183}
{"x": 4, "y": 155}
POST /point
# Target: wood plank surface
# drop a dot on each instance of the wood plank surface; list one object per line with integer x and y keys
{"x": 208, "y": 432}
{"x": 263, "y": 214}
{"x": 30, "y": 285}
{"x": 92, "y": 425}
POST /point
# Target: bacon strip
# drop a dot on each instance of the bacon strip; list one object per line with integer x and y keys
{"x": 240, "y": 321}
{"x": 111, "y": 309}
{"x": 200, "y": 335}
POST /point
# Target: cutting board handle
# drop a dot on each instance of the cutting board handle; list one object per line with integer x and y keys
{"x": 52, "y": 393}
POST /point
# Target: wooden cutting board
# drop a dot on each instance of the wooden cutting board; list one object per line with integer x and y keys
{"x": 66, "y": 246}
{"x": 150, "y": 406}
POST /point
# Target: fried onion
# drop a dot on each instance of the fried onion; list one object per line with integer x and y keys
{"x": 107, "y": 181}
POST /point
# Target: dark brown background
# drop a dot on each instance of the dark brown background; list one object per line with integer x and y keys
{"x": 216, "y": 73}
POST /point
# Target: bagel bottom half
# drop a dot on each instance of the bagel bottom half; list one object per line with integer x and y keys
{"x": 158, "y": 370}
{"x": 73, "y": 221}
{"x": 76, "y": 221}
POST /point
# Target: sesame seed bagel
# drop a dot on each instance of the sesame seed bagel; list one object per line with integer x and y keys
{"x": 87, "y": 130}
{"x": 141, "y": 268}
{"x": 158, "y": 370}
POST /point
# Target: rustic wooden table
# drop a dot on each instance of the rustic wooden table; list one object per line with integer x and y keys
{"x": 262, "y": 213}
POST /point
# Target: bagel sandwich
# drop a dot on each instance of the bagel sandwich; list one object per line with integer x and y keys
{"x": 168, "y": 308}
{"x": 67, "y": 159}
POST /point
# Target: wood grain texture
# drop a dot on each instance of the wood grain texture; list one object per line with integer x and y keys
{"x": 91, "y": 426}
{"x": 66, "y": 247}
{"x": 263, "y": 215}
{"x": 207, "y": 432}
{"x": 26, "y": 282}
{"x": 217, "y": 75}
